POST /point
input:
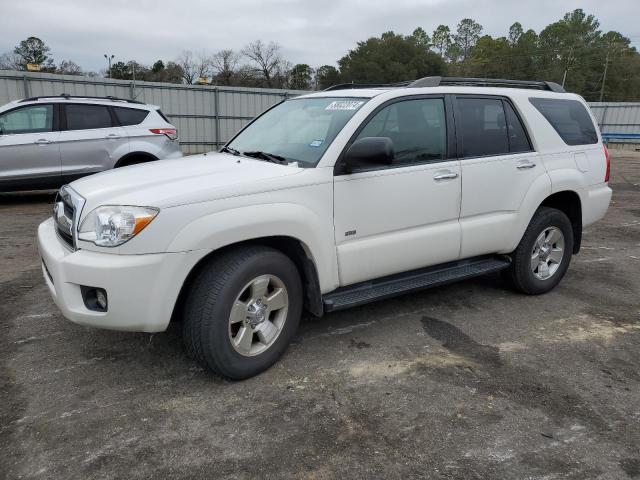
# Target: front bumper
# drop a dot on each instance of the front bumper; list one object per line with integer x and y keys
{"x": 141, "y": 289}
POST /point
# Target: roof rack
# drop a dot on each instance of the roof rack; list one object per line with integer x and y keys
{"x": 347, "y": 86}
{"x": 485, "y": 82}
{"x": 469, "y": 82}
{"x": 67, "y": 96}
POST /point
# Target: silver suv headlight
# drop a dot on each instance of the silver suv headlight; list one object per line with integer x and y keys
{"x": 113, "y": 225}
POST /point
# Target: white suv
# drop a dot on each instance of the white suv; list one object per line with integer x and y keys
{"x": 328, "y": 201}
{"x": 46, "y": 142}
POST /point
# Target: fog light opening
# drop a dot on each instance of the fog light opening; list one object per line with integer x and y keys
{"x": 95, "y": 298}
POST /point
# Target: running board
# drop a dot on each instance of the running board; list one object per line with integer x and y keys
{"x": 391, "y": 286}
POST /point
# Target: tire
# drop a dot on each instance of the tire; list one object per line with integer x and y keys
{"x": 238, "y": 342}
{"x": 523, "y": 275}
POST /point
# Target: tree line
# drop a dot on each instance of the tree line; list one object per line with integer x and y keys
{"x": 572, "y": 51}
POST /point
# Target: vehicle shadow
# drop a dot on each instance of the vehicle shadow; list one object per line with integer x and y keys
{"x": 15, "y": 198}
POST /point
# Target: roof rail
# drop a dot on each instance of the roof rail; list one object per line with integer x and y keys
{"x": 67, "y": 96}
{"x": 347, "y": 86}
{"x": 485, "y": 82}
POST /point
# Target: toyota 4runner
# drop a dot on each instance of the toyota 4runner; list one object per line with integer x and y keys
{"x": 328, "y": 201}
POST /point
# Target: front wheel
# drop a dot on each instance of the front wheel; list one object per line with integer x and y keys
{"x": 544, "y": 253}
{"x": 242, "y": 310}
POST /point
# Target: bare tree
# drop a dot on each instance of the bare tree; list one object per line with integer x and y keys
{"x": 266, "y": 57}
{"x": 68, "y": 67}
{"x": 10, "y": 61}
{"x": 224, "y": 63}
{"x": 193, "y": 66}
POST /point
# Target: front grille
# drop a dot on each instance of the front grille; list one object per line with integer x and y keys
{"x": 67, "y": 208}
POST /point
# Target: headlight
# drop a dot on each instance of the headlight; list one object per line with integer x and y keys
{"x": 112, "y": 225}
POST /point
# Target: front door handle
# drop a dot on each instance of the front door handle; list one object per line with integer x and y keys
{"x": 445, "y": 176}
{"x": 525, "y": 165}
{"x": 43, "y": 141}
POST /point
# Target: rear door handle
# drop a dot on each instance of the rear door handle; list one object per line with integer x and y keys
{"x": 445, "y": 176}
{"x": 112, "y": 136}
{"x": 525, "y": 165}
{"x": 43, "y": 141}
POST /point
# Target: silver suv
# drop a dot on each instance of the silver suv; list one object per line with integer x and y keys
{"x": 48, "y": 141}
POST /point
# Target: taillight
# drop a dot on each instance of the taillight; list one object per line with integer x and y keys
{"x": 608, "y": 160}
{"x": 171, "y": 133}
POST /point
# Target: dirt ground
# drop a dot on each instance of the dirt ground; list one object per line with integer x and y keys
{"x": 468, "y": 381}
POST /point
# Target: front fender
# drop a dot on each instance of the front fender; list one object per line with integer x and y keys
{"x": 223, "y": 228}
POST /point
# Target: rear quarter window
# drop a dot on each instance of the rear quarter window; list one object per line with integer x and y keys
{"x": 130, "y": 116}
{"x": 569, "y": 118}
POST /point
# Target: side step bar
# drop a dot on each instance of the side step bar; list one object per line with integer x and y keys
{"x": 391, "y": 286}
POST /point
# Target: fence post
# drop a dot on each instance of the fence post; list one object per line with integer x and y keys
{"x": 25, "y": 84}
{"x": 132, "y": 91}
{"x": 216, "y": 100}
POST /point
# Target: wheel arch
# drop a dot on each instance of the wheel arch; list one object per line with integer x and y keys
{"x": 568, "y": 202}
{"x": 296, "y": 250}
{"x": 134, "y": 157}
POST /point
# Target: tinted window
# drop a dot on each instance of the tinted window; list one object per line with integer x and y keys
{"x": 417, "y": 128}
{"x": 518, "y": 140}
{"x": 482, "y": 127}
{"x": 37, "y": 118}
{"x": 83, "y": 117}
{"x": 130, "y": 116}
{"x": 569, "y": 118}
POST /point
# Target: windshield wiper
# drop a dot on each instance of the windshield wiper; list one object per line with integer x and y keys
{"x": 269, "y": 157}
{"x": 230, "y": 150}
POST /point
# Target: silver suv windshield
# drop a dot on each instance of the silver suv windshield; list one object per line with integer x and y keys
{"x": 298, "y": 130}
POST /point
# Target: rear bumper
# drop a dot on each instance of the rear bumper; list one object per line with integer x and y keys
{"x": 595, "y": 203}
{"x": 141, "y": 289}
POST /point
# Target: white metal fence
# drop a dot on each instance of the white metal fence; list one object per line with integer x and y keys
{"x": 206, "y": 116}
{"x": 619, "y": 122}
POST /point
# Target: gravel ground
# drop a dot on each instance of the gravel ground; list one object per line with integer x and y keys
{"x": 468, "y": 381}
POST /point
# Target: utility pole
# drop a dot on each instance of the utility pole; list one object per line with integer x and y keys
{"x": 566, "y": 67}
{"x": 109, "y": 58}
{"x": 604, "y": 76}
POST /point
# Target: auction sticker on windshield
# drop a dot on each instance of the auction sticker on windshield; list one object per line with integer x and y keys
{"x": 344, "y": 105}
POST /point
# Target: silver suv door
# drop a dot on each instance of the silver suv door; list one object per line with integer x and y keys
{"x": 29, "y": 148}
{"x": 90, "y": 141}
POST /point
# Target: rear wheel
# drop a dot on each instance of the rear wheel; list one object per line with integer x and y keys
{"x": 544, "y": 253}
{"x": 242, "y": 310}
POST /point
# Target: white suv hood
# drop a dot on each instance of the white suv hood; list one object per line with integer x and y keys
{"x": 192, "y": 179}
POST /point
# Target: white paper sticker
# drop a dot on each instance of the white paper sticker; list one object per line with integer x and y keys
{"x": 344, "y": 105}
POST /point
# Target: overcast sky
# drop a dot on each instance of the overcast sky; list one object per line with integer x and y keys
{"x": 313, "y": 31}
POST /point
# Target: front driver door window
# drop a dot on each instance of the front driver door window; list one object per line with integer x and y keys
{"x": 403, "y": 216}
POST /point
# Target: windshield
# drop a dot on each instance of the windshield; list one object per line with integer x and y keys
{"x": 299, "y": 130}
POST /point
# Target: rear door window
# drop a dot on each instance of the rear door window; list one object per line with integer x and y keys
{"x": 481, "y": 127}
{"x": 569, "y": 118}
{"x": 518, "y": 139}
{"x": 130, "y": 116}
{"x": 84, "y": 117}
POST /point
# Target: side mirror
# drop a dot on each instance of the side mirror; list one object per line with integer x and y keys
{"x": 369, "y": 152}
